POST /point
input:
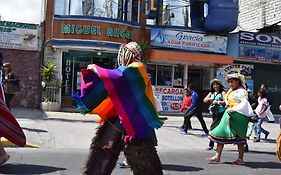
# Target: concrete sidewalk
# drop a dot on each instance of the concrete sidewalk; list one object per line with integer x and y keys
{"x": 73, "y": 130}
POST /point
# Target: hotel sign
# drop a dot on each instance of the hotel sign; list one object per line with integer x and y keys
{"x": 96, "y": 30}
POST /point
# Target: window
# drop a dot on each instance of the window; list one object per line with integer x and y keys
{"x": 178, "y": 75}
{"x": 176, "y": 13}
{"x": 151, "y": 69}
{"x": 166, "y": 75}
{"x": 127, "y": 10}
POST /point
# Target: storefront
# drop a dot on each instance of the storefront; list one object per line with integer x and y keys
{"x": 263, "y": 53}
{"x": 179, "y": 57}
{"x": 77, "y": 36}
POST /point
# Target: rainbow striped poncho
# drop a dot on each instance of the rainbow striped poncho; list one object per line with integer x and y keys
{"x": 126, "y": 92}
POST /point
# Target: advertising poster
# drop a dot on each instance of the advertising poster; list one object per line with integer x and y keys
{"x": 21, "y": 36}
{"x": 244, "y": 69}
{"x": 260, "y": 47}
{"x": 170, "y": 98}
{"x": 188, "y": 40}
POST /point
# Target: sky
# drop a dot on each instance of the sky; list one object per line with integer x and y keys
{"x": 25, "y": 11}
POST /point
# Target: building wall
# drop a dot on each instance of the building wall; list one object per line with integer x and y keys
{"x": 256, "y": 14}
{"x": 26, "y": 65}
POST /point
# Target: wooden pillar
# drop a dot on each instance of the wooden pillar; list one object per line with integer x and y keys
{"x": 142, "y": 17}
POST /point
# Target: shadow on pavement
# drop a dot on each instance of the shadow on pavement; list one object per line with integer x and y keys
{"x": 28, "y": 113}
{"x": 269, "y": 165}
{"x": 34, "y": 130}
{"x": 170, "y": 167}
{"x": 28, "y": 169}
{"x": 261, "y": 152}
{"x": 270, "y": 141}
{"x": 70, "y": 120}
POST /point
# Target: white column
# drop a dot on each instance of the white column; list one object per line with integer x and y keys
{"x": 185, "y": 75}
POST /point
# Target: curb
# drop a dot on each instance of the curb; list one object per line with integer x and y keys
{"x": 7, "y": 144}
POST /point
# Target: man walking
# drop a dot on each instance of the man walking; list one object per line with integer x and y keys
{"x": 193, "y": 110}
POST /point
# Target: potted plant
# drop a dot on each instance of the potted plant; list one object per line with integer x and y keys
{"x": 50, "y": 86}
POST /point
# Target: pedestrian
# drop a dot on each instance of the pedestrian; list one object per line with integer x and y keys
{"x": 10, "y": 83}
{"x": 233, "y": 126}
{"x": 269, "y": 98}
{"x": 194, "y": 110}
{"x": 261, "y": 109}
{"x": 9, "y": 127}
{"x": 186, "y": 103}
{"x": 217, "y": 107}
{"x": 123, "y": 97}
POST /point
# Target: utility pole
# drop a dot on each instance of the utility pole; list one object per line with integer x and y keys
{"x": 142, "y": 17}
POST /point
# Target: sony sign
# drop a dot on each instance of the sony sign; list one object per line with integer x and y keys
{"x": 260, "y": 38}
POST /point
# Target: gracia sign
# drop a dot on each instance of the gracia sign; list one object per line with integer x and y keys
{"x": 96, "y": 30}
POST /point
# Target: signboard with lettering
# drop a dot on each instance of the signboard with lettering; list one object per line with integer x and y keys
{"x": 188, "y": 40}
{"x": 96, "y": 30}
{"x": 245, "y": 69}
{"x": 170, "y": 98}
{"x": 261, "y": 47}
{"x": 151, "y": 8}
{"x": 21, "y": 36}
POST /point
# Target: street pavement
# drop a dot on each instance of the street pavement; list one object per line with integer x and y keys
{"x": 64, "y": 140}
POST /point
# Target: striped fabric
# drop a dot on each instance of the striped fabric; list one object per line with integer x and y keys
{"x": 9, "y": 127}
{"x": 130, "y": 91}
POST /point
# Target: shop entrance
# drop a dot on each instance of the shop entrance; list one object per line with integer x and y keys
{"x": 200, "y": 77}
{"x": 195, "y": 77}
{"x": 72, "y": 63}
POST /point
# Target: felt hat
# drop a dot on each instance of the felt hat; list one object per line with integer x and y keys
{"x": 237, "y": 76}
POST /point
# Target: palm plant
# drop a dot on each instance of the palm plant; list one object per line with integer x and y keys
{"x": 48, "y": 71}
{"x": 145, "y": 46}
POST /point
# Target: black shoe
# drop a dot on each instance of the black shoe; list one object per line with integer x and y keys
{"x": 256, "y": 141}
{"x": 189, "y": 127}
{"x": 270, "y": 122}
{"x": 266, "y": 135}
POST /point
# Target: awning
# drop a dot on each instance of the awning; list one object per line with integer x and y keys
{"x": 186, "y": 56}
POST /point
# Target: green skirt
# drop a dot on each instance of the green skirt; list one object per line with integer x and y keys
{"x": 232, "y": 129}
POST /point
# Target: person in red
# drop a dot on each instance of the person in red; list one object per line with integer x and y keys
{"x": 186, "y": 103}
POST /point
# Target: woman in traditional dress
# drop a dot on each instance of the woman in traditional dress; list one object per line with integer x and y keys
{"x": 232, "y": 128}
{"x": 216, "y": 97}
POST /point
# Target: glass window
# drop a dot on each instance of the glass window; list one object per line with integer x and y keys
{"x": 151, "y": 70}
{"x": 176, "y": 13}
{"x": 164, "y": 75}
{"x": 178, "y": 75}
{"x": 117, "y": 9}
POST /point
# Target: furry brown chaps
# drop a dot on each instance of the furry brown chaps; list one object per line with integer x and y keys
{"x": 105, "y": 149}
{"x": 142, "y": 157}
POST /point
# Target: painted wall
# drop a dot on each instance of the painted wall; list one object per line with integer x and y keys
{"x": 257, "y": 14}
{"x": 26, "y": 65}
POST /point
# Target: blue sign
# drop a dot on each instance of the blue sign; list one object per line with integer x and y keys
{"x": 261, "y": 47}
{"x": 151, "y": 9}
{"x": 188, "y": 40}
{"x": 244, "y": 69}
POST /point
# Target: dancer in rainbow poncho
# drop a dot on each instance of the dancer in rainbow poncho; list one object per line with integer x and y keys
{"x": 123, "y": 98}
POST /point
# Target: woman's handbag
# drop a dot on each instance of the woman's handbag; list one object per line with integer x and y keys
{"x": 214, "y": 109}
{"x": 254, "y": 118}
